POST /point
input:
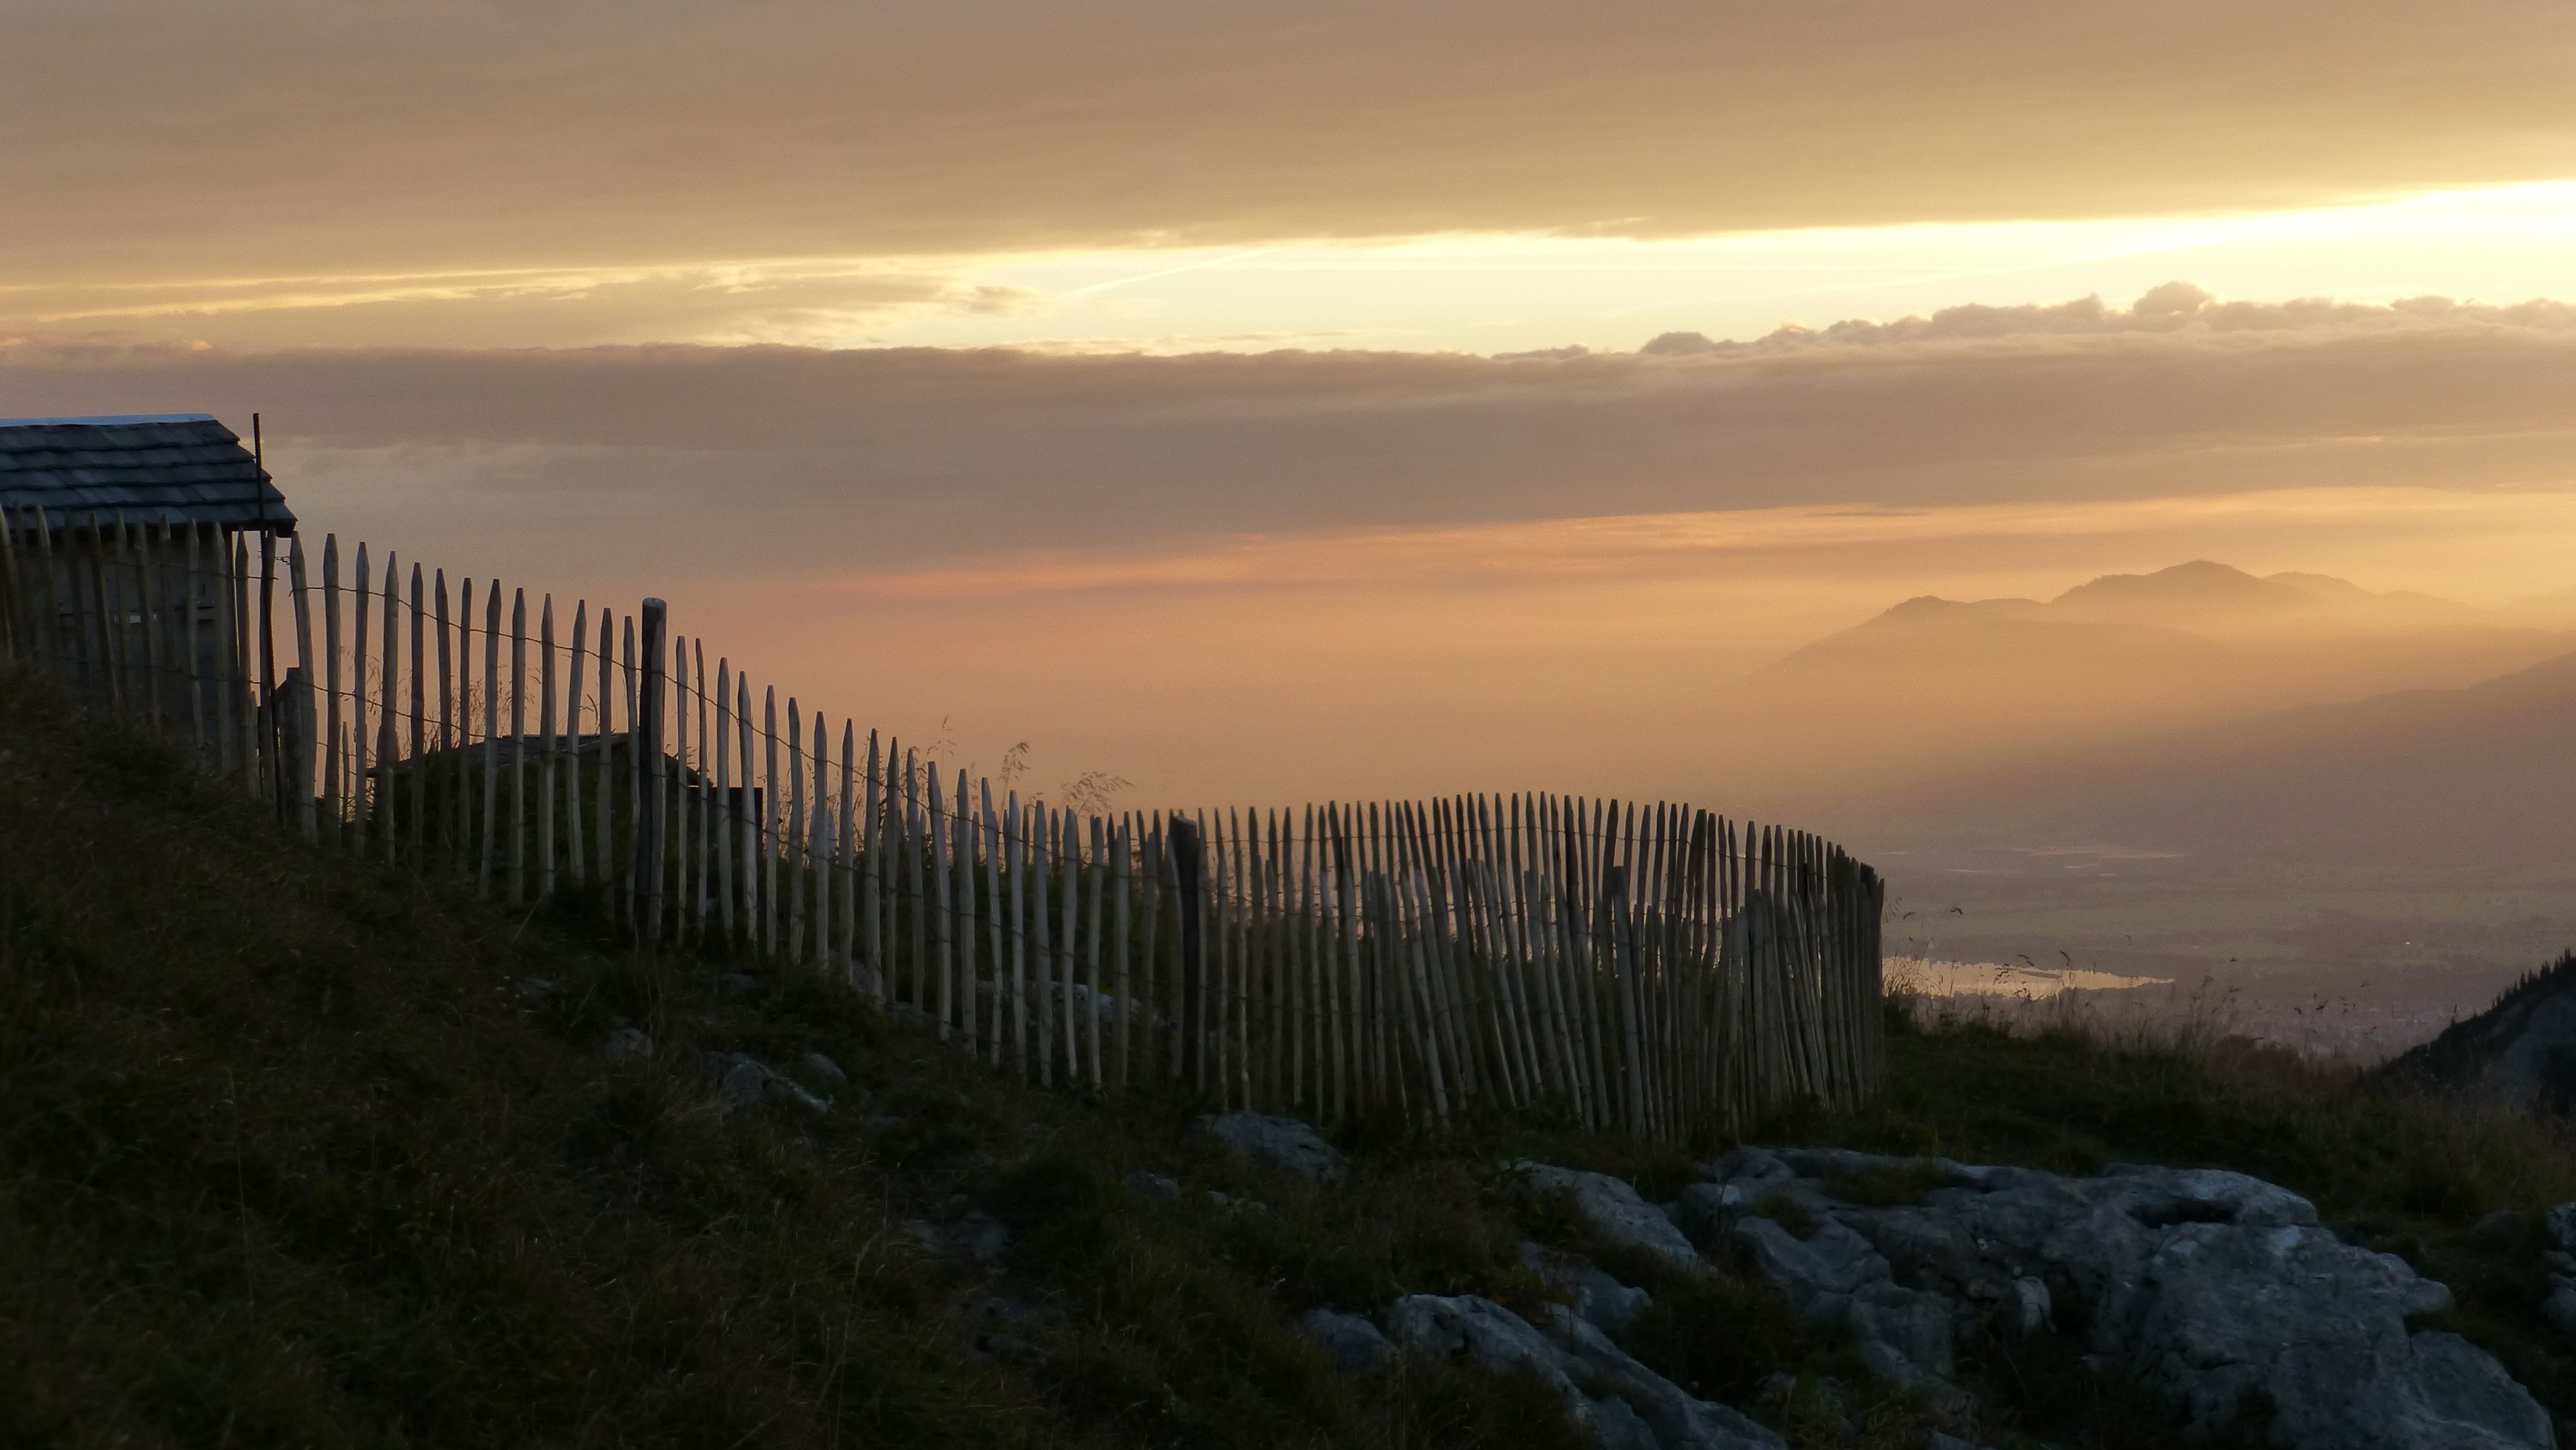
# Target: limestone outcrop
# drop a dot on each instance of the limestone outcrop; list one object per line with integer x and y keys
{"x": 2219, "y": 1290}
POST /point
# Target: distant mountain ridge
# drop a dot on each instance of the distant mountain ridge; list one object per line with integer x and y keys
{"x": 1932, "y": 686}
{"x": 2203, "y": 596}
{"x": 2523, "y": 1048}
{"x": 2476, "y": 776}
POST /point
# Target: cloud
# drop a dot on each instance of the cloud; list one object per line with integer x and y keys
{"x": 2172, "y": 308}
{"x": 298, "y": 137}
{"x": 824, "y": 304}
{"x": 812, "y": 463}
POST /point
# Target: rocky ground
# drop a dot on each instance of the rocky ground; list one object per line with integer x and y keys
{"x": 2217, "y": 1290}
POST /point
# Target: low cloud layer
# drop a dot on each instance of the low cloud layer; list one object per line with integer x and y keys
{"x": 2172, "y": 309}
{"x": 260, "y": 138}
{"x": 926, "y": 454}
{"x": 826, "y": 304}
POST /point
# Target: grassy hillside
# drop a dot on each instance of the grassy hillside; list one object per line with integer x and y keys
{"x": 298, "y": 1151}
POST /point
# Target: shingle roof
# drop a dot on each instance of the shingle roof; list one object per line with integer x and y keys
{"x": 181, "y": 468}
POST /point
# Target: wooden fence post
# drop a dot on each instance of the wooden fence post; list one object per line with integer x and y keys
{"x": 13, "y": 615}
{"x": 300, "y": 762}
{"x": 552, "y": 748}
{"x": 420, "y": 752}
{"x": 725, "y": 832}
{"x": 295, "y": 748}
{"x": 604, "y": 810}
{"x": 795, "y": 836}
{"x": 648, "y": 741}
{"x": 518, "y": 834}
{"x": 389, "y": 719}
{"x": 451, "y": 739}
{"x": 1189, "y": 861}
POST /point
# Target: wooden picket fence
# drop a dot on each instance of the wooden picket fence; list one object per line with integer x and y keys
{"x": 1653, "y": 969}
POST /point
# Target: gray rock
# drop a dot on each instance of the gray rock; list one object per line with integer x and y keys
{"x": 2561, "y": 1224}
{"x": 1590, "y": 1374}
{"x": 1479, "y": 1328}
{"x": 2204, "y": 1195}
{"x": 2559, "y": 1308}
{"x": 1350, "y": 1343}
{"x": 1283, "y": 1143}
{"x": 1747, "y": 1180}
{"x": 1839, "y": 1283}
{"x": 2029, "y": 1311}
{"x": 743, "y": 1081}
{"x": 627, "y": 1044}
{"x": 1708, "y": 1211}
{"x": 825, "y": 1068}
{"x": 1150, "y": 1187}
{"x": 1904, "y": 1334}
{"x": 788, "y": 1090}
{"x": 1621, "y": 1428}
{"x": 1749, "y": 1165}
{"x": 1597, "y": 1296}
{"x": 2215, "y": 1287}
{"x": 1612, "y": 1209}
{"x": 1834, "y": 1261}
{"x": 1678, "y": 1418}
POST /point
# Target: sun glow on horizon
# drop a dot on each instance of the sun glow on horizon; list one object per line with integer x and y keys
{"x": 1476, "y": 293}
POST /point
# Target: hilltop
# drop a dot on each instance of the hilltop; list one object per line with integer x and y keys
{"x": 303, "y": 1151}
{"x": 1932, "y": 687}
{"x": 2468, "y": 777}
{"x": 2522, "y": 1049}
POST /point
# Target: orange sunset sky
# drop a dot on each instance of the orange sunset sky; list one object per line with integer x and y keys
{"x": 1263, "y": 402}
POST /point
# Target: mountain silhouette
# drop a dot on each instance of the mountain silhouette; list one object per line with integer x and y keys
{"x": 2477, "y": 776}
{"x": 1934, "y": 687}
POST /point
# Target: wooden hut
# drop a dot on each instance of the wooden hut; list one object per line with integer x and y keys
{"x": 142, "y": 559}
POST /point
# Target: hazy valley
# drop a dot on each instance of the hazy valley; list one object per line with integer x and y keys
{"x": 2341, "y": 807}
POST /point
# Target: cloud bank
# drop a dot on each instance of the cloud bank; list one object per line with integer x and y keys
{"x": 2174, "y": 308}
{"x": 928, "y": 453}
